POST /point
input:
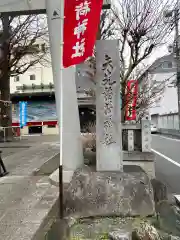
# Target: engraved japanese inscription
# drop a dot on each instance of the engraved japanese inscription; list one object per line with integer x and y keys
{"x": 108, "y": 114}
{"x": 107, "y": 83}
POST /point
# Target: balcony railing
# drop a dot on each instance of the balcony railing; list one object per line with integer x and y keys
{"x": 34, "y": 86}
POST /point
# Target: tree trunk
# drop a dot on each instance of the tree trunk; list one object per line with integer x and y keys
{"x": 6, "y": 113}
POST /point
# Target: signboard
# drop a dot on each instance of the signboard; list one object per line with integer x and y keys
{"x": 131, "y": 100}
{"x": 22, "y": 113}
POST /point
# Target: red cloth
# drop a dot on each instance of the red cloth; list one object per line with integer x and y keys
{"x": 82, "y": 18}
{"x": 131, "y": 100}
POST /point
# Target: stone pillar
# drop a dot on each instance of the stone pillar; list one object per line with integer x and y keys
{"x": 72, "y": 143}
{"x": 108, "y": 114}
{"x": 130, "y": 140}
{"x": 146, "y": 135}
{"x": 71, "y": 154}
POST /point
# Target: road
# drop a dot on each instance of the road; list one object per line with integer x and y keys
{"x": 167, "y": 162}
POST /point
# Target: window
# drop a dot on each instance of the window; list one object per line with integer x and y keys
{"x": 32, "y": 77}
{"x": 16, "y": 79}
{"x": 167, "y": 65}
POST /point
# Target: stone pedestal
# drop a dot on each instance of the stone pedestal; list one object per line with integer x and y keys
{"x": 108, "y": 114}
{"x": 92, "y": 194}
{"x": 146, "y": 136}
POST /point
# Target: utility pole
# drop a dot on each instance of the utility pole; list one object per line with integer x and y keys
{"x": 177, "y": 52}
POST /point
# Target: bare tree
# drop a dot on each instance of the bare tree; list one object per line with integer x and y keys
{"x": 149, "y": 93}
{"x": 19, "y": 38}
{"x": 139, "y": 26}
{"x": 141, "y": 29}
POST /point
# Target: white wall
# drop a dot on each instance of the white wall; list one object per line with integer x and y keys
{"x": 169, "y": 101}
{"x": 42, "y": 75}
{"x": 170, "y": 121}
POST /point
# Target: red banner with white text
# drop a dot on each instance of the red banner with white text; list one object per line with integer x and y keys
{"x": 131, "y": 100}
{"x": 82, "y": 18}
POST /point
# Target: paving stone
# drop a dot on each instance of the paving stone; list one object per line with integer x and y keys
{"x": 25, "y": 232}
{"x": 7, "y": 231}
{"x": 12, "y": 179}
{"x": 26, "y": 162}
{"x": 26, "y": 200}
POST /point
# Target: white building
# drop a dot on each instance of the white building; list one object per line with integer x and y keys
{"x": 36, "y": 79}
{"x": 40, "y": 79}
{"x": 37, "y": 83}
{"x": 164, "y": 69}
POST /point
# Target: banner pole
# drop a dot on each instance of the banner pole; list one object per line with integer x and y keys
{"x": 61, "y": 115}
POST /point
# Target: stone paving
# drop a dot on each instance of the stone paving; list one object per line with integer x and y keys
{"x": 27, "y": 161}
{"x": 27, "y": 202}
{"x": 10, "y": 148}
{"x": 24, "y": 204}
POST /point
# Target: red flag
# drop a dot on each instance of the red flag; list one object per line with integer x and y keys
{"x": 131, "y": 100}
{"x": 81, "y": 22}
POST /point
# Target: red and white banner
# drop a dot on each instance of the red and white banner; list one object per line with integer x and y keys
{"x": 131, "y": 100}
{"x": 82, "y": 18}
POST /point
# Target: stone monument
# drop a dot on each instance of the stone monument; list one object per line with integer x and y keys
{"x": 108, "y": 113}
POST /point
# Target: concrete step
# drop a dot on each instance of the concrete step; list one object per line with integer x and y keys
{"x": 49, "y": 166}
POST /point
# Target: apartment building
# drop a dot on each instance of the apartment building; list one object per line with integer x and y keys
{"x": 164, "y": 70}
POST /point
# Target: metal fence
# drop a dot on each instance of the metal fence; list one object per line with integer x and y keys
{"x": 4, "y": 133}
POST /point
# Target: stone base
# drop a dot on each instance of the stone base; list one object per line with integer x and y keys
{"x": 147, "y": 166}
{"x": 67, "y": 177}
{"x": 92, "y": 193}
{"x": 145, "y": 160}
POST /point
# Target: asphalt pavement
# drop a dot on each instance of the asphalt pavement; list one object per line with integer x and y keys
{"x": 167, "y": 164}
